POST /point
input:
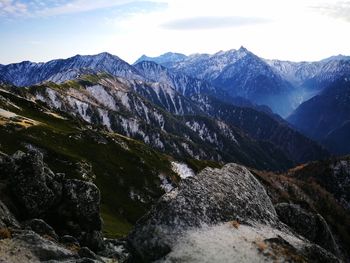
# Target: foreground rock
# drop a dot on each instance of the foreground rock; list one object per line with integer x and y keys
{"x": 70, "y": 206}
{"x": 219, "y": 216}
{"x": 53, "y": 219}
{"x": 34, "y": 185}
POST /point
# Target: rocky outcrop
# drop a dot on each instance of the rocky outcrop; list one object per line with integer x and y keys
{"x": 310, "y": 225}
{"x": 81, "y": 203}
{"x": 73, "y": 206}
{"x": 47, "y": 208}
{"x": 221, "y": 215}
{"x": 33, "y": 184}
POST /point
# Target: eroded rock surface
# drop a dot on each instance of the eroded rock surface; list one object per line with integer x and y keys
{"x": 33, "y": 184}
{"x": 47, "y": 207}
{"x": 221, "y": 215}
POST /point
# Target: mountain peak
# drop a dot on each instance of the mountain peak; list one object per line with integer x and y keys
{"x": 105, "y": 55}
{"x": 336, "y": 58}
{"x": 243, "y": 49}
{"x": 169, "y": 57}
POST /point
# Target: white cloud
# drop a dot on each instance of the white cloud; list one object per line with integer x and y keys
{"x": 338, "y": 10}
{"x": 79, "y": 6}
{"x": 38, "y": 8}
{"x": 10, "y": 8}
{"x": 212, "y": 22}
{"x": 295, "y": 32}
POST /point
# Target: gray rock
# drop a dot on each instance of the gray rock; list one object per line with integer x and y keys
{"x": 33, "y": 184}
{"x": 81, "y": 204}
{"x": 7, "y": 219}
{"x": 80, "y": 212}
{"x": 212, "y": 197}
{"x": 42, "y": 248}
{"x": 40, "y": 227}
{"x": 116, "y": 249}
{"x": 310, "y": 225}
{"x": 221, "y": 215}
{"x": 85, "y": 252}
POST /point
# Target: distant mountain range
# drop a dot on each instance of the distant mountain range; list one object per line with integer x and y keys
{"x": 282, "y": 85}
{"x": 249, "y": 89}
{"x": 326, "y": 117}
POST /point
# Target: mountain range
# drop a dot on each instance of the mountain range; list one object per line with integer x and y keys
{"x": 134, "y": 134}
{"x": 235, "y": 77}
{"x": 242, "y": 73}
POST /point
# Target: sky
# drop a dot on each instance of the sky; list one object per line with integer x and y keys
{"x": 296, "y": 30}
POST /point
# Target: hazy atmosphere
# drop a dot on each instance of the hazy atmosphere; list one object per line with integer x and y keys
{"x": 289, "y": 30}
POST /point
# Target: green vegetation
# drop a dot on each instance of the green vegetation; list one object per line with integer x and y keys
{"x": 126, "y": 171}
{"x": 199, "y": 165}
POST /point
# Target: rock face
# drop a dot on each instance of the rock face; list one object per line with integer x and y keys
{"x": 72, "y": 206}
{"x": 33, "y": 184}
{"x": 228, "y": 205}
{"x": 40, "y": 227}
{"x": 81, "y": 201}
{"x": 312, "y": 226}
{"x": 7, "y": 219}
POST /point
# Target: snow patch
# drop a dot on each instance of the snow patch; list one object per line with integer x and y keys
{"x": 182, "y": 170}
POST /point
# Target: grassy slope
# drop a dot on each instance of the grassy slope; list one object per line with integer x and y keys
{"x": 121, "y": 165}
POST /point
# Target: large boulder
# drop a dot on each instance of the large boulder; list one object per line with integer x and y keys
{"x": 79, "y": 213}
{"x": 213, "y": 196}
{"x": 81, "y": 204}
{"x": 33, "y": 184}
{"x": 70, "y": 206}
{"x": 310, "y": 225}
{"x": 220, "y": 215}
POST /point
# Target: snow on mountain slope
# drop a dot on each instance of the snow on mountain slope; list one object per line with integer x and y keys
{"x": 313, "y": 75}
{"x": 240, "y": 73}
{"x": 209, "y": 67}
{"x": 182, "y": 169}
{"x": 164, "y": 59}
{"x": 184, "y": 84}
{"x": 284, "y": 84}
{"x": 116, "y": 104}
{"x": 27, "y": 73}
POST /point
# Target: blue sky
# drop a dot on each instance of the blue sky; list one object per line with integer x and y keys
{"x": 39, "y": 30}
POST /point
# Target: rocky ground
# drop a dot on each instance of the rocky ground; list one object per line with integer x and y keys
{"x": 218, "y": 215}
